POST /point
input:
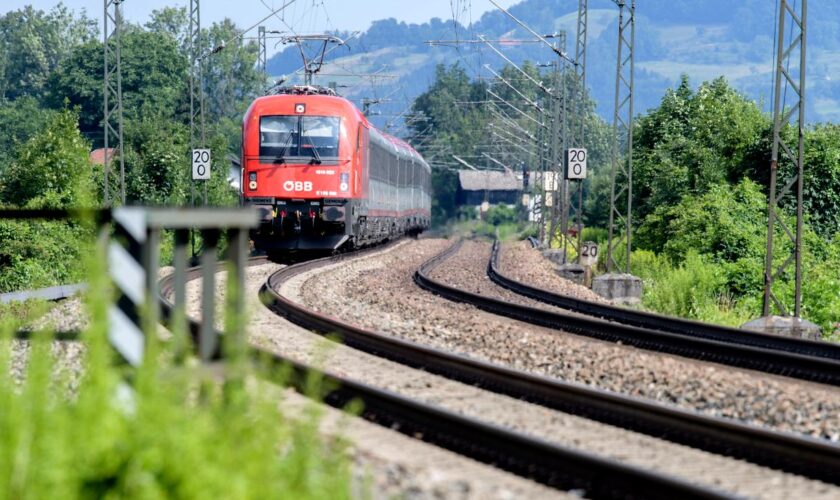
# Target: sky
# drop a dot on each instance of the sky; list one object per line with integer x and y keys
{"x": 304, "y": 16}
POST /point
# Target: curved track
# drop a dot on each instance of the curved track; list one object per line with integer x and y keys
{"x": 523, "y": 455}
{"x": 651, "y": 321}
{"x": 816, "y": 369}
{"x": 804, "y": 456}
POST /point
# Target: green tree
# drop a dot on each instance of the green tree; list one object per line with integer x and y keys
{"x": 154, "y": 76}
{"x": 173, "y": 21}
{"x": 693, "y": 141}
{"x": 231, "y": 78}
{"x": 52, "y": 168}
{"x": 726, "y": 223}
{"x": 33, "y": 43}
{"x": 450, "y": 110}
{"x": 19, "y": 120}
{"x": 821, "y": 196}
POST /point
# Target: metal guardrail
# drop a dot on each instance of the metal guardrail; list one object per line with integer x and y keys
{"x": 808, "y": 457}
{"x": 643, "y": 319}
{"x": 132, "y": 236}
{"x": 52, "y": 293}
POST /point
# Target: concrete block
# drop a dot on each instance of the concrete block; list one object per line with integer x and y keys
{"x": 572, "y": 272}
{"x": 624, "y": 289}
{"x": 785, "y": 326}
{"x": 554, "y": 255}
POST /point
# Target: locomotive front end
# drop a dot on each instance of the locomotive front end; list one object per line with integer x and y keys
{"x": 299, "y": 170}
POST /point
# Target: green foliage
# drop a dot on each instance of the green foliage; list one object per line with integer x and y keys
{"x": 502, "y": 214}
{"x": 726, "y": 223}
{"x": 41, "y": 254}
{"x": 231, "y": 77}
{"x": 173, "y": 21}
{"x": 691, "y": 290}
{"x": 692, "y": 142}
{"x": 19, "y": 120}
{"x": 51, "y": 171}
{"x": 154, "y": 78}
{"x": 33, "y": 43}
{"x": 456, "y": 128}
{"x": 821, "y": 196}
{"x": 183, "y": 433}
{"x": 52, "y": 168}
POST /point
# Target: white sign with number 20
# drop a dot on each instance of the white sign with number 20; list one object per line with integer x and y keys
{"x": 576, "y": 163}
{"x": 200, "y": 164}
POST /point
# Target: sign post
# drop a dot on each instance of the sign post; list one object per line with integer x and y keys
{"x": 576, "y": 159}
{"x": 588, "y": 259}
{"x": 201, "y": 164}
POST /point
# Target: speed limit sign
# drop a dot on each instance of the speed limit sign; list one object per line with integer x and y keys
{"x": 589, "y": 254}
{"x": 576, "y": 163}
{"x": 200, "y": 164}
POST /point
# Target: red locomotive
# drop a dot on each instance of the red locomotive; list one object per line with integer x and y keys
{"x": 324, "y": 178}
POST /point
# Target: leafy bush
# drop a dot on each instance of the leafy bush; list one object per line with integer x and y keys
{"x": 52, "y": 168}
{"x": 182, "y": 434}
{"x": 501, "y": 214}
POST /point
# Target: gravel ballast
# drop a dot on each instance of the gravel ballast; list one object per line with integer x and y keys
{"x": 391, "y": 464}
{"x": 527, "y": 265}
{"x": 322, "y": 285}
{"x": 380, "y": 294}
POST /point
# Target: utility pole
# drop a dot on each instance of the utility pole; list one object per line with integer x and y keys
{"x": 792, "y": 22}
{"x": 558, "y": 144}
{"x": 112, "y": 95}
{"x": 198, "y": 137}
{"x": 263, "y": 52}
{"x": 621, "y": 178}
{"x": 579, "y": 141}
{"x": 618, "y": 285}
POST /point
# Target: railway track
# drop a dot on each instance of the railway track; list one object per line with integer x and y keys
{"x": 536, "y": 459}
{"x": 651, "y": 321}
{"x": 808, "y": 457}
{"x": 770, "y": 360}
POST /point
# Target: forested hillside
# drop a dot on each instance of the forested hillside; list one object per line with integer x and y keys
{"x": 704, "y": 40}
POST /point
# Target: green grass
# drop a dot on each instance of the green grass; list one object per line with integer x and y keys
{"x": 690, "y": 290}
{"x": 185, "y": 433}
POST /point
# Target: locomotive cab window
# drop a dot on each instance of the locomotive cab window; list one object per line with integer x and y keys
{"x": 319, "y": 136}
{"x": 313, "y": 138}
{"x": 278, "y": 136}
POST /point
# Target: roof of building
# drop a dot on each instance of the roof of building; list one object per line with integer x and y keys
{"x": 97, "y": 156}
{"x": 489, "y": 180}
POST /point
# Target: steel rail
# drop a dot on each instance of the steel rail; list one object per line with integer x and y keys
{"x": 518, "y": 453}
{"x": 663, "y": 323}
{"x": 809, "y": 457}
{"x": 755, "y": 358}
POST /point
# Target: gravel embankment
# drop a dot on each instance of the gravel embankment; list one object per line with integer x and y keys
{"x": 326, "y": 284}
{"x": 380, "y": 294}
{"x": 522, "y": 263}
{"x": 391, "y": 464}
{"x": 67, "y": 356}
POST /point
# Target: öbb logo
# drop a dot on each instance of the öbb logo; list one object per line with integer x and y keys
{"x": 297, "y": 186}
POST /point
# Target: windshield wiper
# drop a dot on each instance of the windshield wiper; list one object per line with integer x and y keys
{"x": 317, "y": 159}
{"x": 281, "y": 158}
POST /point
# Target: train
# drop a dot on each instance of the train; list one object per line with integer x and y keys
{"x": 324, "y": 178}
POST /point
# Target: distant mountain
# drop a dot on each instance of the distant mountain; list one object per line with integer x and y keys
{"x": 731, "y": 38}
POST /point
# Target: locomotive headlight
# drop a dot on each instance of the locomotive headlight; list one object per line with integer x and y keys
{"x": 252, "y": 181}
{"x": 344, "y": 183}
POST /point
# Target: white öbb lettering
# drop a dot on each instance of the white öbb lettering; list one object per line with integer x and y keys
{"x": 297, "y": 186}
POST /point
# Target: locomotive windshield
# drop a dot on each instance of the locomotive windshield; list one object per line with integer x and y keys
{"x": 310, "y": 137}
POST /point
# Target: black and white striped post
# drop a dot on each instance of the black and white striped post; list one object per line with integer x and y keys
{"x": 133, "y": 256}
